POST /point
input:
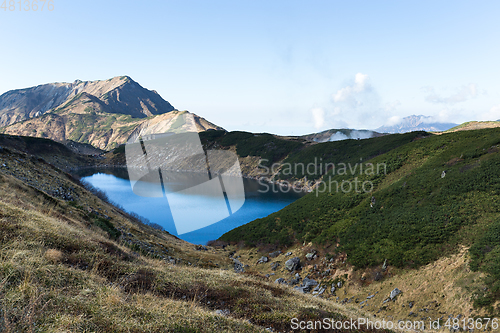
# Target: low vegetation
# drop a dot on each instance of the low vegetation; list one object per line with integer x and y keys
{"x": 440, "y": 192}
{"x": 72, "y": 262}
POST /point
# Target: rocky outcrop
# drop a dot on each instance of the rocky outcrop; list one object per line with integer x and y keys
{"x": 117, "y": 95}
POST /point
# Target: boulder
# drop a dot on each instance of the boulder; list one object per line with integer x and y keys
{"x": 292, "y": 264}
{"x": 395, "y": 293}
{"x": 308, "y": 284}
{"x": 238, "y": 266}
{"x": 224, "y": 312}
{"x": 280, "y": 281}
{"x": 262, "y": 260}
{"x": 274, "y": 254}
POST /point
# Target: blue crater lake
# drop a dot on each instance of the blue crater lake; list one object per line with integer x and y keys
{"x": 261, "y": 200}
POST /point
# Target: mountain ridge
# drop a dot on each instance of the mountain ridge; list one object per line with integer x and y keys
{"x": 103, "y": 113}
{"x": 120, "y": 94}
{"x": 416, "y": 123}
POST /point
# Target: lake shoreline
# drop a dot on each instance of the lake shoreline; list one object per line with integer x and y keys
{"x": 173, "y": 212}
{"x": 281, "y": 183}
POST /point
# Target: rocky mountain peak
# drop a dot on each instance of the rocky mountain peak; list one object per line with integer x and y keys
{"x": 120, "y": 94}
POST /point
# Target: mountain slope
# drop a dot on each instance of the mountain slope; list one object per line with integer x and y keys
{"x": 103, "y": 114}
{"x": 117, "y": 95}
{"x": 439, "y": 192}
{"x": 416, "y": 123}
{"x": 72, "y": 262}
{"x": 85, "y": 120}
{"x": 474, "y": 125}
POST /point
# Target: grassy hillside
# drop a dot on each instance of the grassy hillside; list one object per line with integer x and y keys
{"x": 417, "y": 215}
{"x": 474, "y": 125}
{"x": 71, "y": 262}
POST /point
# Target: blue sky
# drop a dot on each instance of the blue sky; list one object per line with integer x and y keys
{"x": 286, "y": 67}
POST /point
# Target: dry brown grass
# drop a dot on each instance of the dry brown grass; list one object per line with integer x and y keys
{"x": 54, "y": 256}
{"x": 437, "y": 290}
{"x": 60, "y": 273}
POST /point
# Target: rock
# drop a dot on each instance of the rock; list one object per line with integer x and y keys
{"x": 443, "y": 174}
{"x": 297, "y": 275}
{"x": 274, "y": 265}
{"x": 371, "y": 296}
{"x": 299, "y": 288}
{"x": 339, "y": 284}
{"x": 326, "y": 273}
{"x": 274, "y": 254}
{"x": 311, "y": 255}
{"x": 294, "y": 281}
{"x": 262, "y": 260}
{"x": 288, "y": 254}
{"x": 395, "y": 293}
{"x": 333, "y": 288}
{"x": 307, "y": 284}
{"x": 224, "y": 312}
{"x": 280, "y": 281}
{"x": 238, "y": 266}
{"x": 411, "y": 304}
{"x": 292, "y": 264}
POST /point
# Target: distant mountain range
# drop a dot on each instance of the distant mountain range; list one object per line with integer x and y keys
{"x": 416, "y": 123}
{"x": 101, "y": 113}
{"x": 407, "y": 124}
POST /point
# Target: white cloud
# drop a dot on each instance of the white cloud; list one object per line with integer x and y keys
{"x": 461, "y": 94}
{"x": 318, "y": 115}
{"x": 338, "y": 136}
{"x": 492, "y": 114}
{"x": 393, "y": 120}
{"x": 389, "y": 107}
{"x": 349, "y": 93}
{"x": 336, "y": 111}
